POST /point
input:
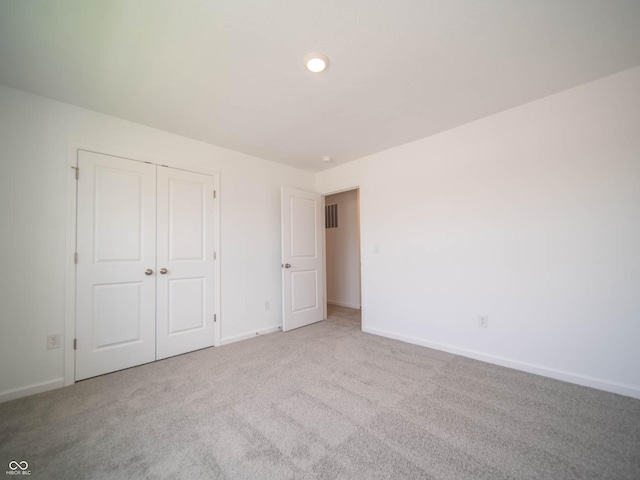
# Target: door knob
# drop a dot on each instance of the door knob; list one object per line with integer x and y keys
{"x": 148, "y": 271}
{"x": 287, "y": 265}
{"x": 163, "y": 271}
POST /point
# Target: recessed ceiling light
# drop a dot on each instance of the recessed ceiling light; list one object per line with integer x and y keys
{"x": 316, "y": 62}
{"x": 327, "y": 159}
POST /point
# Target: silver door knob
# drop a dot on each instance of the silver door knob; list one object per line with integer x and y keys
{"x": 163, "y": 271}
{"x": 287, "y": 265}
{"x": 148, "y": 271}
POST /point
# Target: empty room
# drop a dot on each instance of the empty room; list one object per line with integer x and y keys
{"x": 250, "y": 239}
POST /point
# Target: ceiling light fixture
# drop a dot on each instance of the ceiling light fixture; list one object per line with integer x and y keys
{"x": 327, "y": 159}
{"x": 316, "y": 62}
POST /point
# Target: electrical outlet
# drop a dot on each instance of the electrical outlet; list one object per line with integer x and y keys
{"x": 267, "y": 305}
{"x": 54, "y": 341}
{"x": 483, "y": 321}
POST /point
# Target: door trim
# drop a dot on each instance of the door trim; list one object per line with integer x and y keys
{"x": 71, "y": 217}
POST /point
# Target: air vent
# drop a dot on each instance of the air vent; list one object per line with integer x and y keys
{"x": 331, "y": 216}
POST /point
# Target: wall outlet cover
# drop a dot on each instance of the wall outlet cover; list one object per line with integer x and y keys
{"x": 54, "y": 341}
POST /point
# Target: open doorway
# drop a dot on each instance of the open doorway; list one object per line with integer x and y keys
{"x": 342, "y": 243}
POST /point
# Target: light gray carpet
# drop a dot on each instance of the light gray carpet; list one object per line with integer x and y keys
{"x": 324, "y": 401}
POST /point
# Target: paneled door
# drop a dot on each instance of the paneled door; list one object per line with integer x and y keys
{"x": 185, "y": 262}
{"x": 145, "y": 277}
{"x": 302, "y": 259}
{"x": 116, "y": 245}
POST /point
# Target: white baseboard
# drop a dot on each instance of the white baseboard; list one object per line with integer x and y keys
{"x": 252, "y": 334}
{"x": 344, "y": 304}
{"x": 31, "y": 389}
{"x": 597, "y": 383}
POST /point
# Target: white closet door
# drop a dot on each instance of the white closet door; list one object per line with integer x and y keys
{"x": 185, "y": 262}
{"x": 116, "y": 281}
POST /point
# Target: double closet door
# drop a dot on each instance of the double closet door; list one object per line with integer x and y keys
{"x": 145, "y": 266}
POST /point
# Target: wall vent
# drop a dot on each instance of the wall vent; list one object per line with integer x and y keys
{"x": 331, "y": 216}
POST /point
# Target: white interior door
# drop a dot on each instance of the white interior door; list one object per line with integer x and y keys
{"x": 302, "y": 259}
{"x": 116, "y": 245}
{"x": 185, "y": 307}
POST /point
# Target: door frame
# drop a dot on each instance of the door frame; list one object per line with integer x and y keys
{"x": 363, "y": 310}
{"x": 71, "y": 218}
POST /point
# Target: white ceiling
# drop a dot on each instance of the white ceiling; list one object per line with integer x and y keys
{"x": 229, "y": 72}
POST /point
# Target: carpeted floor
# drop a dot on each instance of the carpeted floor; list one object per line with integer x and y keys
{"x": 324, "y": 401}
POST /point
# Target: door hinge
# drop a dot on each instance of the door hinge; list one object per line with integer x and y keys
{"x": 75, "y": 258}
{"x": 75, "y": 343}
{"x": 215, "y": 256}
{"x": 215, "y": 318}
{"x": 77, "y": 172}
{"x": 214, "y": 194}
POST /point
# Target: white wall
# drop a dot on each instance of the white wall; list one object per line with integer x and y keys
{"x": 343, "y": 252}
{"x": 35, "y": 134}
{"x": 531, "y": 217}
